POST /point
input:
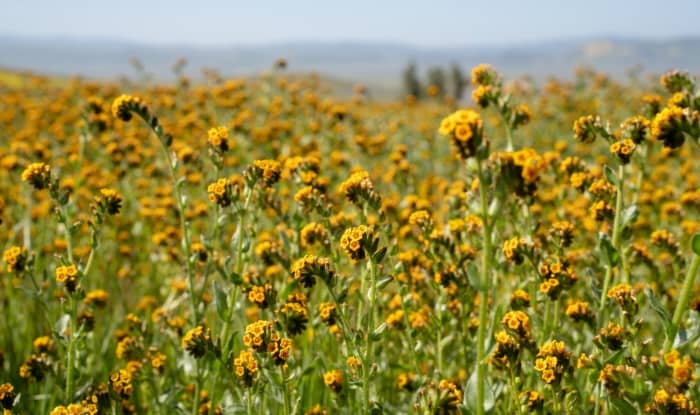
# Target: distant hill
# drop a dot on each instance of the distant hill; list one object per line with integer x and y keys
{"x": 374, "y": 64}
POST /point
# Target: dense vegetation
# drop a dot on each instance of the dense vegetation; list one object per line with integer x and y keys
{"x": 238, "y": 246}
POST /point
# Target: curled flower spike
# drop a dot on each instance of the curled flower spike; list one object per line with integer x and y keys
{"x": 483, "y": 95}
{"x": 218, "y": 139}
{"x": 124, "y": 105}
{"x": 223, "y": 191}
{"x": 305, "y": 269}
{"x": 623, "y": 150}
{"x": 671, "y": 124}
{"x": 636, "y": 128}
{"x": 586, "y": 128}
{"x": 108, "y": 202}
{"x": 120, "y": 382}
{"x": 483, "y": 74}
{"x": 75, "y": 409}
{"x": 7, "y": 396}
{"x": 355, "y": 242}
{"x": 267, "y": 170}
{"x": 68, "y": 276}
{"x": 197, "y": 341}
{"x": 552, "y": 361}
{"x": 38, "y": 175}
{"x": 15, "y": 258}
{"x": 334, "y": 380}
{"x": 466, "y": 130}
{"x": 246, "y": 367}
{"x": 359, "y": 187}
{"x": 677, "y": 81}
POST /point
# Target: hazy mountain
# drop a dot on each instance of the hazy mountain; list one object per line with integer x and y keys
{"x": 370, "y": 63}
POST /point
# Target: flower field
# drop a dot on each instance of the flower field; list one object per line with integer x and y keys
{"x": 232, "y": 246}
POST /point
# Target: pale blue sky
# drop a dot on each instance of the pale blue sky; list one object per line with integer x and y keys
{"x": 426, "y": 23}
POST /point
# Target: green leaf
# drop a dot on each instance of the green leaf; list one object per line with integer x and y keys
{"x": 630, "y": 215}
{"x": 662, "y": 312}
{"x": 379, "y": 255}
{"x": 494, "y": 207}
{"x": 473, "y": 275}
{"x": 571, "y": 401}
{"x": 622, "y": 406}
{"x": 695, "y": 243}
{"x": 342, "y": 295}
{"x": 613, "y": 359}
{"x": 610, "y": 175}
{"x": 384, "y": 282}
{"x": 377, "y": 333}
{"x": 470, "y": 394}
{"x": 236, "y": 278}
{"x": 220, "y": 301}
{"x": 658, "y": 307}
{"x": 608, "y": 250}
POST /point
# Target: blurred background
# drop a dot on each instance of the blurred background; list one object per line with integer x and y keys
{"x": 379, "y": 44}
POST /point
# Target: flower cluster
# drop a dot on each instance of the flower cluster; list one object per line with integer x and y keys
{"x": 38, "y": 175}
{"x": 262, "y": 295}
{"x": 466, "y": 130}
{"x": 7, "y": 396}
{"x": 267, "y": 170}
{"x": 623, "y": 150}
{"x": 197, "y": 341}
{"x": 334, "y": 380}
{"x": 306, "y": 268}
{"x": 120, "y": 382}
{"x": 516, "y": 250}
{"x": 68, "y": 276}
{"x": 218, "y": 139}
{"x": 246, "y": 367}
{"x": 223, "y": 191}
{"x": 15, "y": 258}
{"x": 75, "y": 409}
{"x": 356, "y": 242}
{"x": 294, "y": 315}
{"x": 124, "y": 105}
{"x": 671, "y": 125}
{"x": 107, "y": 202}
{"x": 359, "y": 188}
{"x": 553, "y": 361}
{"x": 586, "y": 128}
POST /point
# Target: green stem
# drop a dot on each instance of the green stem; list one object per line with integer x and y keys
{"x": 239, "y": 269}
{"x": 514, "y": 392}
{"x": 598, "y": 394}
{"x": 91, "y": 257}
{"x": 344, "y": 326}
{"x": 66, "y": 230}
{"x": 285, "y": 393}
{"x": 27, "y": 231}
{"x": 367, "y": 364}
{"x": 682, "y": 305}
{"x": 71, "y": 345}
{"x": 197, "y": 390}
{"x": 184, "y": 229}
{"x": 617, "y": 225}
{"x": 249, "y": 402}
{"x": 555, "y": 323}
{"x": 438, "y": 345}
{"x": 484, "y": 293}
{"x": 545, "y": 322}
{"x": 509, "y": 133}
{"x": 615, "y": 242}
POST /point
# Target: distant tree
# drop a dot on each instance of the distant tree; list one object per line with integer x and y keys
{"x": 436, "y": 82}
{"x": 459, "y": 82}
{"x": 411, "y": 83}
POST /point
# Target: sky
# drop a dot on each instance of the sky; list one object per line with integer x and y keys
{"x": 422, "y": 23}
